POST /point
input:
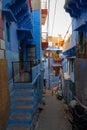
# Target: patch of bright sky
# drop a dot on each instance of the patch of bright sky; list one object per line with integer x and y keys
{"x": 62, "y": 20}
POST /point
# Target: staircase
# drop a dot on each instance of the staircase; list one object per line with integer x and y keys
{"x": 23, "y": 109}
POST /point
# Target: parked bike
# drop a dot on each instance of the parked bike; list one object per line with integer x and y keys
{"x": 59, "y": 94}
{"x": 79, "y": 118}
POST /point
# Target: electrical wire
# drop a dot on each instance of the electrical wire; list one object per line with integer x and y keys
{"x": 67, "y": 30}
{"x": 54, "y": 19}
{"x": 54, "y": 15}
{"x": 48, "y": 16}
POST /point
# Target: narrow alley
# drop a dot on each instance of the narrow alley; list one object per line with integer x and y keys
{"x": 43, "y": 46}
{"x": 53, "y": 117}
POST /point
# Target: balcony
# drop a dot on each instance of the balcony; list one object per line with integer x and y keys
{"x": 25, "y": 72}
{"x": 44, "y": 4}
{"x": 72, "y": 7}
{"x": 4, "y": 2}
{"x": 18, "y": 11}
{"x": 44, "y": 40}
{"x": 24, "y": 33}
{"x": 83, "y": 2}
{"x": 11, "y": 8}
{"x": 70, "y": 51}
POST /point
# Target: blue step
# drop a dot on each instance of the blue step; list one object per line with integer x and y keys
{"x": 23, "y": 94}
{"x": 20, "y": 120}
{"x": 14, "y": 127}
{"x": 22, "y": 109}
{"x": 23, "y": 106}
{"x": 22, "y": 101}
{"x": 29, "y": 90}
{"x": 28, "y": 123}
{"x": 23, "y": 86}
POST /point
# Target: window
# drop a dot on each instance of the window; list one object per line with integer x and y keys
{"x": 81, "y": 42}
{"x": 31, "y": 52}
{"x": 8, "y": 32}
{"x": 72, "y": 65}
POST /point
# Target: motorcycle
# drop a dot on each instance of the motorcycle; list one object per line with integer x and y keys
{"x": 79, "y": 118}
{"x": 59, "y": 94}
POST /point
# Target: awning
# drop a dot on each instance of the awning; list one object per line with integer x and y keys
{"x": 17, "y": 6}
{"x": 70, "y": 52}
{"x": 71, "y": 57}
{"x": 80, "y": 26}
{"x": 9, "y": 15}
{"x": 53, "y": 49}
{"x": 80, "y": 23}
{"x": 24, "y": 33}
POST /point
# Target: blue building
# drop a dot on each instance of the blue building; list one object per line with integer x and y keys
{"x": 78, "y": 12}
{"x": 23, "y": 54}
{"x": 68, "y": 82}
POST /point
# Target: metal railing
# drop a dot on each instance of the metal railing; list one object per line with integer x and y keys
{"x": 22, "y": 70}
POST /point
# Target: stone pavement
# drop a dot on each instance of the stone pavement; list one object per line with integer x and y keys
{"x": 53, "y": 117}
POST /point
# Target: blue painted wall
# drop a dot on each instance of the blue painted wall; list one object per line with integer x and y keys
{"x": 36, "y": 35}
{"x": 37, "y": 32}
{"x": 76, "y": 22}
{"x": 12, "y": 53}
{"x": 4, "y": 2}
{"x": 12, "y": 46}
{"x": 74, "y": 33}
{"x": 77, "y": 26}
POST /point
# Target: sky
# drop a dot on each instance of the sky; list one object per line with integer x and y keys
{"x": 61, "y": 22}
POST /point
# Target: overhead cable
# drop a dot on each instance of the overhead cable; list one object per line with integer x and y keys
{"x": 54, "y": 15}
{"x": 48, "y": 15}
{"x": 67, "y": 30}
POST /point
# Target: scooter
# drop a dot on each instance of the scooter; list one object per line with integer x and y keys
{"x": 79, "y": 118}
{"x": 59, "y": 94}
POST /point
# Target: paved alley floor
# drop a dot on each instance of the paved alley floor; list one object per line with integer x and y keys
{"x": 53, "y": 117}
